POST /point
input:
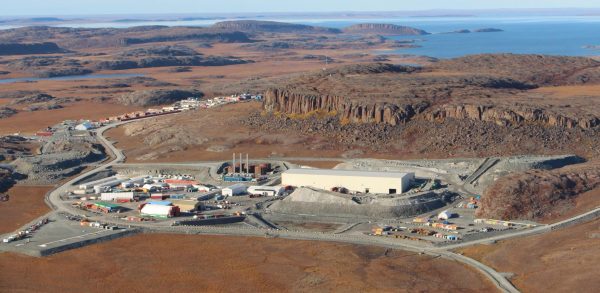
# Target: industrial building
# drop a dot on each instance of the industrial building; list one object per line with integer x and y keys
{"x": 84, "y": 126}
{"x": 188, "y": 205}
{"x": 236, "y": 189}
{"x": 357, "y": 181}
{"x": 159, "y": 211}
{"x": 108, "y": 196}
{"x": 265, "y": 190}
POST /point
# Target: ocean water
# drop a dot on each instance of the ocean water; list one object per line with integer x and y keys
{"x": 567, "y": 36}
{"x": 558, "y": 35}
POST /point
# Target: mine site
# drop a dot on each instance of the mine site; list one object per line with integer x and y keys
{"x": 292, "y": 152}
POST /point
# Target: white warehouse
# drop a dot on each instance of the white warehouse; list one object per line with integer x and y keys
{"x": 358, "y": 181}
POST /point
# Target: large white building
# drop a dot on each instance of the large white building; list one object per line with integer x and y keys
{"x": 358, "y": 181}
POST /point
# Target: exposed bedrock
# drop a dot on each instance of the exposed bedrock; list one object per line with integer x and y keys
{"x": 277, "y": 100}
{"x": 290, "y": 102}
{"x": 510, "y": 116}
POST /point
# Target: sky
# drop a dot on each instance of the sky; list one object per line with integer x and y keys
{"x": 98, "y": 7}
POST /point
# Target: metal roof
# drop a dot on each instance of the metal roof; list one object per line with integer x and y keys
{"x": 107, "y": 205}
{"x": 349, "y": 173}
{"x": 162, "y": 203}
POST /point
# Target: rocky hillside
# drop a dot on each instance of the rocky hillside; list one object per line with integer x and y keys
{"x": 81, "y": 38}
{"x": 33, "y": 98}
{"x": 160, "y": 61}
{"x": 29, "y": 48}
{"x": 7, "y": 180}
{"x": 535, "y": 69}
{"x": 271, "y": 27}
{"x": 384, "y": 29}
{"x": 385, "y": 93}
{"x": 157, "y": 97}
{"x": 537, "y": 194}
{"x": 510, "y": 116}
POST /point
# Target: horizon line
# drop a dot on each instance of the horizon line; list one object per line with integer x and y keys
{"x": 507, "y": 9}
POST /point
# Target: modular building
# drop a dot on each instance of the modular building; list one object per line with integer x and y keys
{"x": 106, "y": 207}
{"x": 358, "y": 181}
{"x": 91, "y": 184}
{"x": 133, "y": 182}
{"x": 107, "y": 185}
{"x": 188, "y": 205}
{"x": 159, "y": 211}
{"x": 265, "y": 190}
{"x": 236, "y": 189}
{"x": 117, "y": 196}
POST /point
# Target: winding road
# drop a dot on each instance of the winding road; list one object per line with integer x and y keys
{"x": 117, "y": 157}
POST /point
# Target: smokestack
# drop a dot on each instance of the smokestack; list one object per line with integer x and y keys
{"x": 233, "y": 164}
{"x": 247, "y": 165}
{"x": 241, "y": 163}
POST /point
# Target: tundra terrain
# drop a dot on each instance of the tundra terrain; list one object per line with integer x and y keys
{"x": 326, "y": 93}
{"x": 228, "y": 264}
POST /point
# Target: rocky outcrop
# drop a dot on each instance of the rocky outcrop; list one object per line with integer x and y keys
{"x": 220, "y": 37}
{"x": 176, "y": 50}
{"x": 157, "y": 97}
{"x": 540, "y": 70}
{"x": 7, "y": 179}
{"x": 538, "y": 194}
{"x": 158, "y": 61}
{"x": 352, "y": 110}
{"x": 507, "y": 116}
{"x": 6, "y": 112}
{"x": 281, "y": 100}
{"x": 271, "y": 26}
{"x": 384, "y": 29}
{"x": 57, "y": 72}
{"x": 30, "y": 48}
{"x": 33, "y": 98}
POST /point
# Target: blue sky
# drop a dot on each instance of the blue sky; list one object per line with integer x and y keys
{"x": 95, "y": 7}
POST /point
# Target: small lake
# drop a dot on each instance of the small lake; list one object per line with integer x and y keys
{"x": 71, "y": 77}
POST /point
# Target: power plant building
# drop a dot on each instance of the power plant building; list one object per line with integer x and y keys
{"x": 357, "y": 181}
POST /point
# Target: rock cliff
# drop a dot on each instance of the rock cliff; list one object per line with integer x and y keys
{"x": 281, "y": 100}
{"x": 393, "y": 94}
{"x": 290, "y": 102}
{"x": 510, "y": 116}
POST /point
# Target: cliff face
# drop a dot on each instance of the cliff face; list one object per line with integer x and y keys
{"x": 384, "y": 29}
{"x": 289, "y": 102}
{"x": 506, "y": 116}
